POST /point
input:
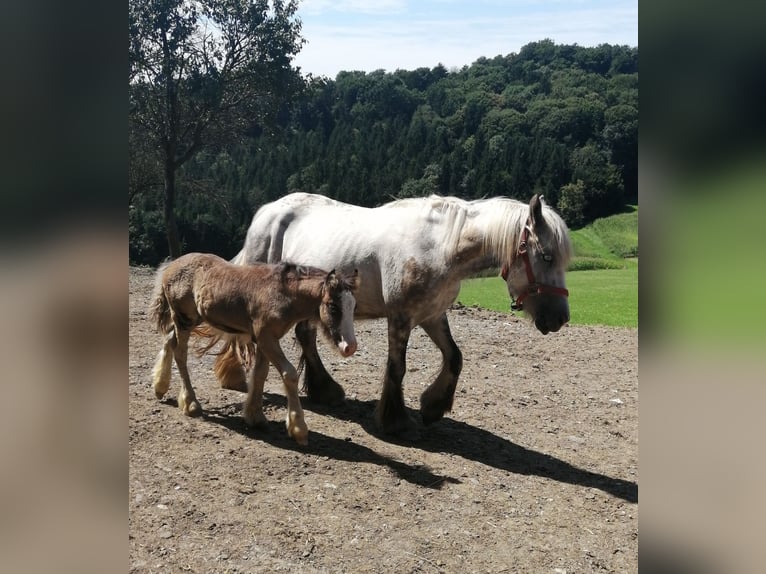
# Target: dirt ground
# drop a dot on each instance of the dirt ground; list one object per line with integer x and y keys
{"x": 534, "y": 470}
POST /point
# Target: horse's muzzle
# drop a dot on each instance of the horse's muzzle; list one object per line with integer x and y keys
{"x": 551, "y": 324}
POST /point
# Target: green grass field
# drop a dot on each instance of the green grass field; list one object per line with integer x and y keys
{"x": 603, "y": 285}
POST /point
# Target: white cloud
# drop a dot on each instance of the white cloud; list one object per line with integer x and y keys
{"x": 371, "y": 7}
{"x": 405, "y": 42}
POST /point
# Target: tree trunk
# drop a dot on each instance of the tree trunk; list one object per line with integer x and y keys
{"x": 171, "y": 228}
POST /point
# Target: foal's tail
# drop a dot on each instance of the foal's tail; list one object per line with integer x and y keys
{"x": 159, "y": 308}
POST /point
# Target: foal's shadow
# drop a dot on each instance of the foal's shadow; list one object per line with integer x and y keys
{"x": 473, "y": 443}
{"x": 230, "y": 417}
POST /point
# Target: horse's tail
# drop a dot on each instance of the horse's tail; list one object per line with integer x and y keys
{"x": 206, "y": 337}
{"x": 239, "y": 258}
{"x": 159, "y": 308}
{"x": 232, "y": 359}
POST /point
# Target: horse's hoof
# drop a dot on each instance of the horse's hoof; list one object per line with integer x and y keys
{"x": 235, "y": 385}
{"x": 402, "y": 428}
{"x": 159, "y": 393}
{"x": 431, "y": 415}
{"x": 433, "y": 406}
{"x": 332, "y": 396}
{"x": 430, "y": 412}
{"x": 406, "y": 434}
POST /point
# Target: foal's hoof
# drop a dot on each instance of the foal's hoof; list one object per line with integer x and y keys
{"x": 300, "y": 435}
{"x": 257, "y": 421}
{"x": 191, "y": 408}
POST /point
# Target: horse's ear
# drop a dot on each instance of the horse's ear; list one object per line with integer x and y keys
{"x": 536, "y": 210}
{"x": 354, "y": 280}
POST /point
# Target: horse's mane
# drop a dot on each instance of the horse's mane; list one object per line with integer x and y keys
{"x": 503, "y": 233}
{"x": 504, "y": 223}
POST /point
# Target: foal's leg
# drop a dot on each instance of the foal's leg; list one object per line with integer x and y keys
{"x": 296, "y": 425}
{"x": 163, "y": 365}
{"x": 253, "y": 411}
{"x": 390, "y": 412}
{"x": 317, "y": 382}
{"x": 187, "y": 400}
{"x": 437, "y": 398}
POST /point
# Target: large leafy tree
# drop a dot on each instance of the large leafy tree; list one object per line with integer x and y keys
{"x": 202, "y": 72}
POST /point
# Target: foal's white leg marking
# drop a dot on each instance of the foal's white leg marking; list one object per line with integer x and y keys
{"x": 163, "y": 365}
{"x": 187, "y": 400}
{"x": 253, "y": 410}
{"x": 296, "y": 425}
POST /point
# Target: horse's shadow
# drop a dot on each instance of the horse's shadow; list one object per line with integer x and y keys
{"x": 445, "y": 436}
{"x": 473, "y": 443}
{"x": 320, "y": 444}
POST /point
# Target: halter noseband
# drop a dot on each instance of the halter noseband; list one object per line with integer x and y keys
{"x": 533, "y": 287}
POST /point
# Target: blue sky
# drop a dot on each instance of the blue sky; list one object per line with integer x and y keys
{"x": 389, "y": 34}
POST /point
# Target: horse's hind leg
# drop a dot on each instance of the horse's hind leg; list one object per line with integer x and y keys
{"x": 253, "y": 410}
{"x": 317, "y": 382}
{"x": 437, "y": 398}
{"x": 187, "y": 400}
{"x": 163, "y": 365}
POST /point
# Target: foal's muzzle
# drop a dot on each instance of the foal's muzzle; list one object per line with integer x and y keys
{"x": 347, "y": 349}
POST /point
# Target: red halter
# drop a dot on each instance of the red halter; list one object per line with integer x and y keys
{"x": 533, "y": 287}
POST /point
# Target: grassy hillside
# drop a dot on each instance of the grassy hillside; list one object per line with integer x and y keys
{"x": 606, "y": 242}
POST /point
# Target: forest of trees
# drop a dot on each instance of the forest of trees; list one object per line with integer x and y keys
{"x": 561, "y": 120}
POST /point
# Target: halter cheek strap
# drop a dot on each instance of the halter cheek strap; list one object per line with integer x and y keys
{"x": 533, "y": 287}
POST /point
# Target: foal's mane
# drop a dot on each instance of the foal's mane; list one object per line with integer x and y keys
{"x": 289, "y": 270}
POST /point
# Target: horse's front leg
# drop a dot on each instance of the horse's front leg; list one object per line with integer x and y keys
{"x": 437, "y": 398}
{"x": 390, "y": 413}
{"x": 253, "y": 410}
{"x": 319, "y": 385}
{"x": 296, "y": 425}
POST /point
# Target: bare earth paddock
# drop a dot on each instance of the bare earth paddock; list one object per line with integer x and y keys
{"x": 535, "y": 470}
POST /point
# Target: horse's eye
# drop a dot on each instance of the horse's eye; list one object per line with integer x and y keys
{"x": 547, "y": 258}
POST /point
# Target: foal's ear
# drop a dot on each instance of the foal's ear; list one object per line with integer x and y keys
{"x": 332, "y": 279}
{"x": 536, "y": 210}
